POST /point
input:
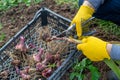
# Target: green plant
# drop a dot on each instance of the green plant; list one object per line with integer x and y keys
{"x": 51, "y": 65}
{"x": 2, "y": 37}
{"x": 6, "y": 4}
{"x": 72, "y": 3}
{"x": 108, "y": 27}
{"x": 80, "y": 67}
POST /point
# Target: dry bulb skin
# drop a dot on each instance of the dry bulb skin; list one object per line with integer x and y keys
{"x": 4, "y": 74}
{"x": 15, "y": 62}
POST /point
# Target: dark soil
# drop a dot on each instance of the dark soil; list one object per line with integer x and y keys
{"x": 16, "y": 18}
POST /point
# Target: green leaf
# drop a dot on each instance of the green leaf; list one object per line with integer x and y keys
{"x": 20, "y": 1}
{"x": 117, "y": 61}
{"x": 37, "y": 1}
{"x": 2, "y": 36}
{"x": 94, "y": 71}
{"x": 27, "y": 2}
{"x": 80, "y": 66}
{"x": 12, "y": 1}
{"x": 83, "y": 62}
{"x": 80, "y": 77}
{"x": 88, "y": 62}
{"x": 51, "y": 65}
{"x": 72, "y": 75}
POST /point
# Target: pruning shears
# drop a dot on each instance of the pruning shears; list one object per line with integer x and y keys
{"x": 71, "y": 28}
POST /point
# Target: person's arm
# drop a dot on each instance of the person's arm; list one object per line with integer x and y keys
{"x": 114, "y": 51}
{"x": 95, "y": 3}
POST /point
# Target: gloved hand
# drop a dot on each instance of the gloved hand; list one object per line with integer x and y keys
{"x": 84, "y": 13}
{"x": 94, "y": 48}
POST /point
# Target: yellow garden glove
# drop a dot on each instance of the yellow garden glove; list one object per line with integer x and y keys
{"x": 84, "y": 13}
{"x": 94, "y": 48}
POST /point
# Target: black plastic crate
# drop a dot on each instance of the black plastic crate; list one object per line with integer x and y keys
{"x": 42, "y": 18}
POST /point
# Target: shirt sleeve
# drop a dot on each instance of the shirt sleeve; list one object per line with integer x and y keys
{"x": 96, "y": 3}
{"x": 115, "y": 52}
